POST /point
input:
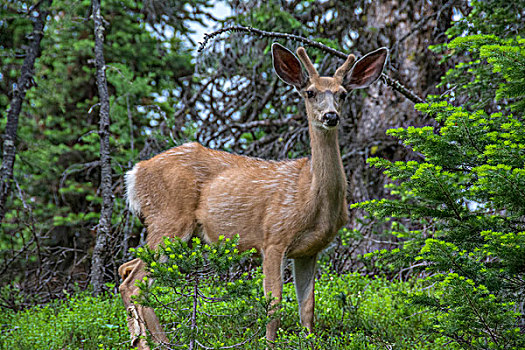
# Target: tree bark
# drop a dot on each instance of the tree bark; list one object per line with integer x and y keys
{"x": 24, "y": 82}
{"x": 104, "y": 226}
{"x": 407, "y": 28}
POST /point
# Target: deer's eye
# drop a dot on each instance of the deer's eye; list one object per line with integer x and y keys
{"x": 342, "y": 95}
{"x": 310, "y": 93}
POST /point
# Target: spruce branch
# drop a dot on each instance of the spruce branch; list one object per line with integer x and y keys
{"x": 394, "y": 84}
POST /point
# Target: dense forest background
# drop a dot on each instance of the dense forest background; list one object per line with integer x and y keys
{"x": 437, "y": 210}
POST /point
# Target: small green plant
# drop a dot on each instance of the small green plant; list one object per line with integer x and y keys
{"x": 202, "y": 297}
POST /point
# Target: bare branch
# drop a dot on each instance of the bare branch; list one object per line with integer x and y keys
{"x": 394, "y": 84}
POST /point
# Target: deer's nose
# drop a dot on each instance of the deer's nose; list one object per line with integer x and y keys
{"x": 331, "y": 119}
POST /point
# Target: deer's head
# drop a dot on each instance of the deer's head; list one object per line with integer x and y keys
{"x": 324, "y": 95}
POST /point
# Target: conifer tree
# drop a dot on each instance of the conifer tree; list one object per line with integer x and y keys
{"x": 460, "y": 211}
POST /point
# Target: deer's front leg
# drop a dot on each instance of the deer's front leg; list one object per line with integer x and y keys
{"x": 273, "y": 283}
{"x": 304, "y": 280}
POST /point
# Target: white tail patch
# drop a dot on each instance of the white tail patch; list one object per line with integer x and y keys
{"x": 131, "y": 191}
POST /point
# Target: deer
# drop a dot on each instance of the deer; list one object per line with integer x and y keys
{"x": 290, "y": 209}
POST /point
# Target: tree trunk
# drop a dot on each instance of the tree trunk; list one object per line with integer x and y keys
{"x": 104, "y": 226}
{"x": 407, "y": 29}
{"x": 24, "y": 82}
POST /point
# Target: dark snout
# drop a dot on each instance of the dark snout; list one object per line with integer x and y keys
{"x": 331, "y": 119}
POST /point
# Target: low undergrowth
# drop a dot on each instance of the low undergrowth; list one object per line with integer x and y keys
{"x": 81, "y": 321}
{"x": 352, "y": 312}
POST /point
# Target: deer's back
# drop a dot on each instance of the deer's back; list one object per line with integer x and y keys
{"x": 220, "y": 193}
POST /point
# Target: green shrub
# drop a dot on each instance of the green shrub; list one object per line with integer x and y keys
{"x": 201, "y": 295}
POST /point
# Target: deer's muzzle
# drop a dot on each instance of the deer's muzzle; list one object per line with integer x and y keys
{"x": 330, "y": 119}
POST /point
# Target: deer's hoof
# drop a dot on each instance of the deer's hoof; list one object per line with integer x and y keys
{"x": 140, "y": 343}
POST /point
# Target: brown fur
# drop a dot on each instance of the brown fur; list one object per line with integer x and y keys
{"x": 288, "y": 209}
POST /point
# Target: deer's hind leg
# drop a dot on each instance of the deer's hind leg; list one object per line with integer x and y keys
{"x": 143, "y": 320}
{"x": 140, "y": 319}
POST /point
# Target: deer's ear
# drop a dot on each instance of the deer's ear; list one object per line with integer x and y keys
{"x": 367, "y": 70}
{"x": 287, "y": 66}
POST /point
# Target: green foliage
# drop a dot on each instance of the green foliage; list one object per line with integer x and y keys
{"x": 79, "y": 322}
{"x": 14, "y": 30}
{"x": 507, "y": 57}
{"x": 491, "y": 32}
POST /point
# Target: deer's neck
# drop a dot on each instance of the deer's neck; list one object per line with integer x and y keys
{"x": 328, "y": 180}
